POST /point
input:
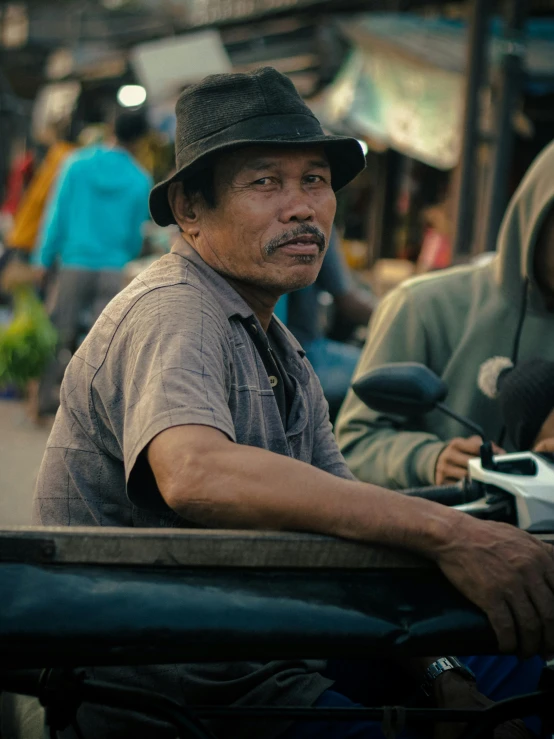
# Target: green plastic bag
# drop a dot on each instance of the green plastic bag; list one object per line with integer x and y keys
{"x": 28, "y": 343}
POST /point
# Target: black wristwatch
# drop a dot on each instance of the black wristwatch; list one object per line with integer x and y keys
{"x": 439, "y": 667}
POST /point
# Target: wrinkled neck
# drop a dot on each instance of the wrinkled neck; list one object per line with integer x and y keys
{"x": 260, "y": 300}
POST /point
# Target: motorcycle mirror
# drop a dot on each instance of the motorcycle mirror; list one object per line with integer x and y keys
{"x": 409, "y": 389}
{"x": 402, "y": 388}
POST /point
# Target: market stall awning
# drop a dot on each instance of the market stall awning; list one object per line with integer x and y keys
{"x": 402, "y": 85}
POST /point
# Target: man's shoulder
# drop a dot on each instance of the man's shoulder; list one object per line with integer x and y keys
{"x": 74, "y": 161}
{"x": 82, "y": 162}
{"x": 82, "y": 157}
{"x": 140, "y": 174}
{"x": 167, "y": 297}
{"x": 143, "y": 175}
{"x": 454, "y": 284}
{"x": 171, "y": 285}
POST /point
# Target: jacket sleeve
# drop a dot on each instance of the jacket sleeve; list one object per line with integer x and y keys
{"x": 51, "y": 236}
{"x": 389, "y": 451}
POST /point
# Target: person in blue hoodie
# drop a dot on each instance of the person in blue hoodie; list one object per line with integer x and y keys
{"x": 92, "y": 228}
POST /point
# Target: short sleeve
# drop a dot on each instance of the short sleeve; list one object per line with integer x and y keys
{"x": 169, "y": 366}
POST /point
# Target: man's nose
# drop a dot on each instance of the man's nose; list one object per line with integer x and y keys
{"x": 297, "y": 208}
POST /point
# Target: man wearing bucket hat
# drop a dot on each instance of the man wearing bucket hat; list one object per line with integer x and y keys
{"x": 190, "y": 405}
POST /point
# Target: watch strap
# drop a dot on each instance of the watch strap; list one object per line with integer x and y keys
{"x": 439, "y": 667}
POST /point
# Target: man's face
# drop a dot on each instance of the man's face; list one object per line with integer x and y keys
{"x": 544, "y": 260}
{"x": 272, "y": 220}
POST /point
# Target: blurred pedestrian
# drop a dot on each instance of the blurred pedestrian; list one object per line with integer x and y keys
{"x": 93, "y": 227}
{"x": 22, "y": 238}
{"x": 19, "y": 177}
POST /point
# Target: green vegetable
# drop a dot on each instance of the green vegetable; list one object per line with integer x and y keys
{"x": 28, "y": 343}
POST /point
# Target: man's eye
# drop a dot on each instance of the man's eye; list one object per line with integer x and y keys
{"x": 312, "y": 178}
{"x": 263, "y": 181}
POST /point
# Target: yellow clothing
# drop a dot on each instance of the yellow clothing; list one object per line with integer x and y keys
{"x": 24, "y": 232}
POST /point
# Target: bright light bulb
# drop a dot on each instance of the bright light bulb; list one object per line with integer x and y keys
{"x": 130, "y": 96}
{"x": 365, "y": 147}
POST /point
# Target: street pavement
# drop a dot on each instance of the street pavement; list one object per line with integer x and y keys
{"x": 21, "y": 449}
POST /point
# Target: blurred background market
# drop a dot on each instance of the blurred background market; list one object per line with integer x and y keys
{"x": 450, "y": 101}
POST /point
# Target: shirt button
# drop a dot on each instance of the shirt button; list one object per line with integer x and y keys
{"x": 254, "y": 328}
{"x": 273, "y": 381}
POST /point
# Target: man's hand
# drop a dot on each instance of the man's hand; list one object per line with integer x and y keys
{"x": 546, "y": 445}
{"x": 454, "y": 691}
{"x": 453, "y": 460}
{"x": 510, "y": 575}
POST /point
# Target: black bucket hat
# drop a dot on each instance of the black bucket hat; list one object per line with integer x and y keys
{"x": 230, "y": 111}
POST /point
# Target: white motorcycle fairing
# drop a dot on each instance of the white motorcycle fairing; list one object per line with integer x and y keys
{"x": 529, "y": 478}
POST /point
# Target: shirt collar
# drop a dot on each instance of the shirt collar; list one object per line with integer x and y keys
{"x": 284, "y": 336}
{"x": 229, "y": 299}
{"x": 227, "y": 296}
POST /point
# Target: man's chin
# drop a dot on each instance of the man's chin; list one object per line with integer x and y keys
{"x": 298, "y": 276}
{"x": 281, "y": 281}
{"x": 298, "y": 282}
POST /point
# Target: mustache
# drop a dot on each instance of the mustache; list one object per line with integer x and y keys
{"x": 304, "y": 230}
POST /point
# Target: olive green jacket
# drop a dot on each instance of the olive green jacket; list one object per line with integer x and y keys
{"x": 453, "y": 321}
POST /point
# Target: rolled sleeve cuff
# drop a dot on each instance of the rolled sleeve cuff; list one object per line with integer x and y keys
{"x": 177, "y": 417}
{"x": 426, "y": 461}
{"x": 162, "y": 422}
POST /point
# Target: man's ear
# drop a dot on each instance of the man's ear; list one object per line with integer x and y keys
{"x": 184, "y": 209}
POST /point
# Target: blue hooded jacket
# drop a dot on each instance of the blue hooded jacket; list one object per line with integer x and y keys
{"x": 95, "y": 215}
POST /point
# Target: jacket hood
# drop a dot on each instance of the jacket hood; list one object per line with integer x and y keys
{"x": 520, "y": 228}
{"x": 108, "y": 168}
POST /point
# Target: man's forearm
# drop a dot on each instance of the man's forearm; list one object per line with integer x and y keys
{"x": 211, "y": 481}
{"x": 234, "y": 486}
